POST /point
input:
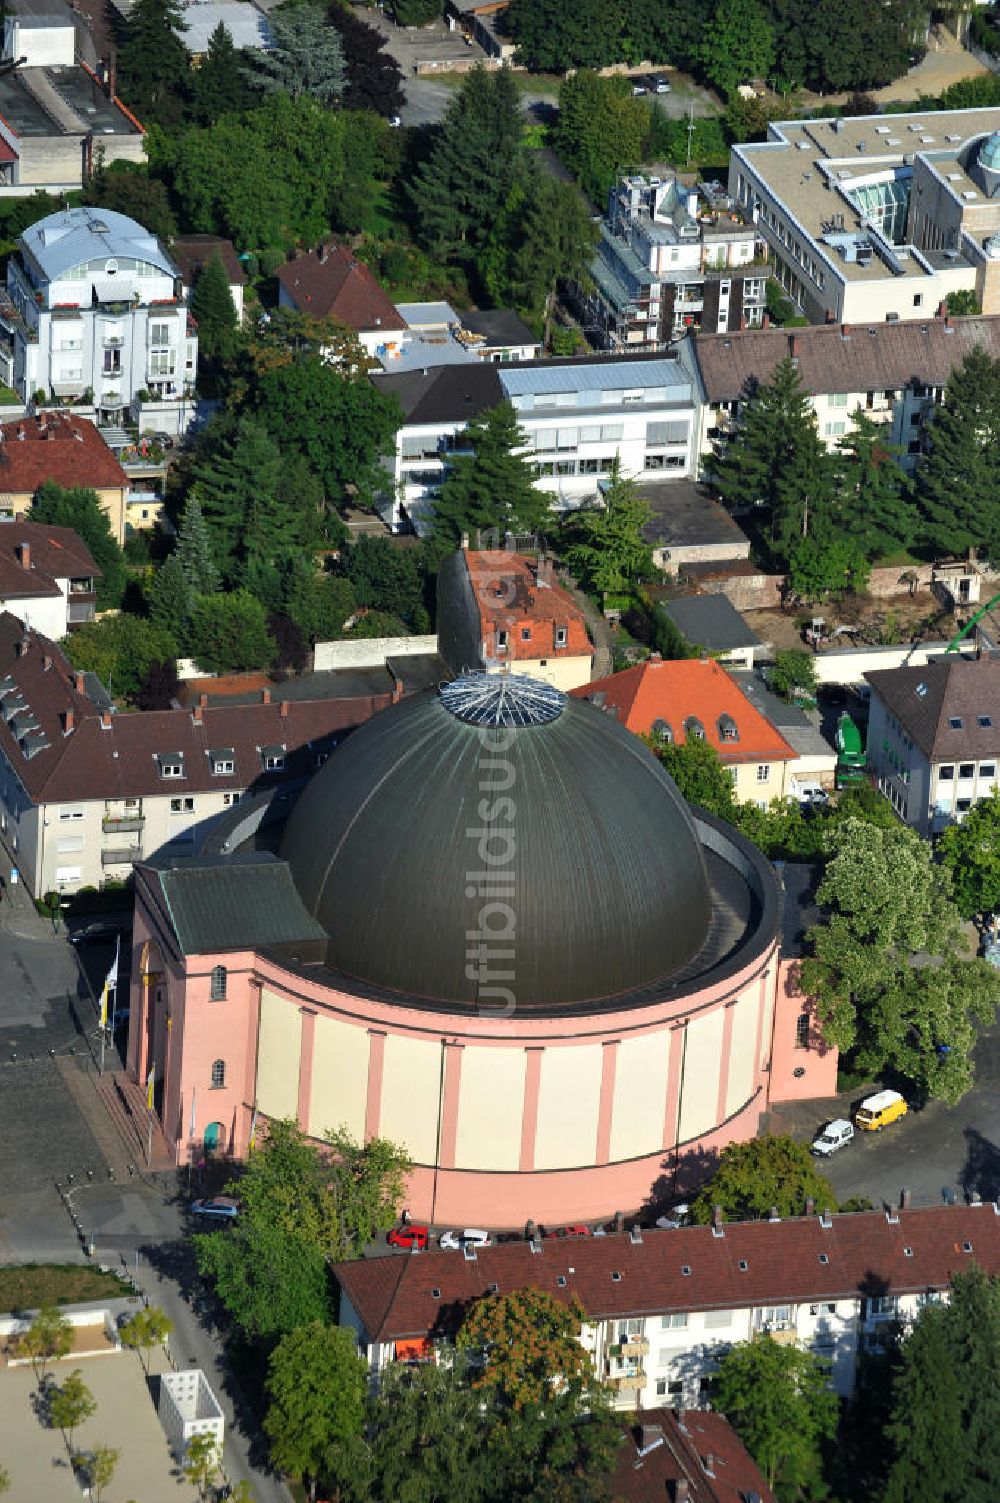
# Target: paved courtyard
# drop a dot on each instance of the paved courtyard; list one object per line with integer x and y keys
{"x": 126, "y": 1419}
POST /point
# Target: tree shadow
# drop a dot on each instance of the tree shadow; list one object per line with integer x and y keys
{"x": 981, "y": 1172}
{"x": 683, "y": 1175}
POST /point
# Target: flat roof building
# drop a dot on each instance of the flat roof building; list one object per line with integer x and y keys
{"x": 878, "y": 216}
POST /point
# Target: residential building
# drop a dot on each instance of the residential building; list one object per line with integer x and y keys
{"x": 47, "y": 577}
{"x": 671, "y": 259}
{"x": 330, "y": 282}
{"x": 435, "y": 334}
{"x": 895, "y": 373}
{"x": 934, "y": 737}
{"x": 674, "y": 700}
{"x": 68, "y": 450}
{"x": 84, "y": 792}
{"x": 877, "y": 217}
{"x": 579, "y": 416}
{"x": 502, "y": 612}
{"x": 713, "y": 623}
{"x": 815, "y": 756}
{"x": 193, "y": 252}
{"x": 685, "y": 1456}
{"x": 54, "y": 110}
{"x": 94, "y": 308}
{"x": 498, "y": 334}
{"x": 662, "y": 1305}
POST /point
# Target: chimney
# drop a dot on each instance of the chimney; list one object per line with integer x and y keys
{"x": 265, "y": 696}
{"x": 397, "y": 690}
{"x": 465, "y": 542}
{"x": 112, "y": 75}
{"x": 105, "y": 720}
{"x": 794, "y": 346}
{"x": 765, "y": 322}
{"x": 46, "y": 663}
{"x": 942, "y": 309}
{"x": 831, "y": 317}
{"x": 717, "y": 1216}
{"x": 904, "y": 1201}
{"x": 196, "y": 715}
{"x": 203, "y": 701}
{"x": 321, "y": 254}
{"x": 24, "y": 555}
{"x": 845, "y": 331}
{"x": 947, "y": 321}
{"x": 709, "y": 1465}
{"x": 773, "y": 1214}
{"x": 283, "y": 709}
{"x": 655, "y": 657}
{"x": 80, "y": 683}
{"x": 682, "y": 1490}
{"x": 66, "y": 721}
{"x": 810, "y": 1205}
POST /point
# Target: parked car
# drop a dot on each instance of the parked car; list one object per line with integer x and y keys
{"x": 835, "y": 1135}
{"x": 878, "y": 1111}
{"x": 472, "y": 1236}
{"x": 660, "y": 84}
{"x": 809, "y": 794}
{"x": 575, "y": 1230}
{"x": 221, "y": 1206}
{"x": 95, "y": 931}
{"x": 639, "y": 87}
{"x": 409, "y": 1236}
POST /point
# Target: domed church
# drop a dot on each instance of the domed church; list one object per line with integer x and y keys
{"x": 488, "y": 928}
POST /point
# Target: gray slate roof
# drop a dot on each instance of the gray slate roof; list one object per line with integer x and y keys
{"x": 711, "y": 621}
{"x": 926, "y": 700}
{"x": 848, "y": 357}
{"x": 68, "y": 238}
{"x": 233, "y": 903}
{"x": 499, "y": 326}
{"x": 684, "y": 515}
{"x": 444, "y": 393}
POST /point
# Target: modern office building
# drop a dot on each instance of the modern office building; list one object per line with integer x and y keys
{"x": 877, "y": 216}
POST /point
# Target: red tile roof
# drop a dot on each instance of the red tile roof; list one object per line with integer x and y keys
{"x": 675, "y": 691}
{"x": 331, "y": 283}
{"x": 864, "y": 1253}
{"x": 53, "y": 553}
{"x": 660, "y": 1448}
{"x": 56, "y": 446}
{"x": 520, "y": 596}
{"x": 116, "y": 756}
{"x": 193, "y": 253}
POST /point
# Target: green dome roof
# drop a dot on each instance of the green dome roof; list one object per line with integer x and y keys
{"x": 596, "y": 855}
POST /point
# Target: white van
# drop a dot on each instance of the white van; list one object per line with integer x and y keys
{"x": 835, "y": 1135}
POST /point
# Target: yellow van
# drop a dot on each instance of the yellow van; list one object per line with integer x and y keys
{"x": 878, "y": 1111}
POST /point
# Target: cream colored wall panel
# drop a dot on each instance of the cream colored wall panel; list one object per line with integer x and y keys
{"x": 411, "y": 1086}
{"x": 490, "y": 1109}
{"x": 568, "y": 1101}
{"x": 640, "y": 1096}
{"x": 339, "y": 1078}
{"x": 700, "y": 1091}
{"x": 765, "y": 1035}
{"x": 278, "y": 1056}
{"x": 739, "y": 1087}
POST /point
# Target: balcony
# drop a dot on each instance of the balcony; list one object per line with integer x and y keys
{"x": 79, "y": 612}
{"x": 633, "y": 1382}
{"x": 123, "y": 824}
{"x": 636, "y": 1346}
{"x": 113, "y": 341}
{"x": 121, "y": 855}
{"x": 782, "y": 1335}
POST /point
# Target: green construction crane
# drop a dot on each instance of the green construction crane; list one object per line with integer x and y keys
{"x": 960, "y": 636}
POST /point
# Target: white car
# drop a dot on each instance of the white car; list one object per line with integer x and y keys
{"x": 472, "y": 1236}
{"x": 835, "y": 1135}
{"x": 660, "y": 85}
{"x": 810, "y": 793}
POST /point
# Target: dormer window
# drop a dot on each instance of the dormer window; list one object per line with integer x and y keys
{"x": 663, "y": 731}
{"x": 525, "y": 633}
{"x": 501, "y": 641}
{"x": 694, "y": 728}
{"x": 561, "y": 636}
{"x": 728, "y": 730}
{"x": 272, "y": 758}
{"x": 171, "y": 764}
{"x": 222, "y": 761}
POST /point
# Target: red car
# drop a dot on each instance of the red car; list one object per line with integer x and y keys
{"x": 579, "y": 1230}
{"x": 409, "y": 1236}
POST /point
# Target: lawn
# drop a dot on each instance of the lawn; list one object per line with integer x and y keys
{"x": 28, "y": 1286}
{"x": 528, "y": 83}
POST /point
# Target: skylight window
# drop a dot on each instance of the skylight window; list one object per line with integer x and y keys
{"x": 921, "y": 691}
{"x": 955, "y": 721}
{"x": 985, "y": 721}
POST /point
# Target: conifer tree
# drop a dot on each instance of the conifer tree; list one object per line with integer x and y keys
{"x": 212, "y": 306}
{"x": 194, "y": 550}
{"x": 306, "y": 56}
{"x": 958, "y": 485}
{"x": 170, "y": 599}
{"x": 153, "y": 61}
{"x": 220, "y": 85}
{"x": 777, "y": 461}
{"x": 926, "y": 1427}
{"x": 875, "y": 506}
{"x": 491, "y": 488}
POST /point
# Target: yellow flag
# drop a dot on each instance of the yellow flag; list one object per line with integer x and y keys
{"x": 149, "y": 1087}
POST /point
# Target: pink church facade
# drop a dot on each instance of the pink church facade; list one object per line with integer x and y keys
{"x": 557, "y": 1118}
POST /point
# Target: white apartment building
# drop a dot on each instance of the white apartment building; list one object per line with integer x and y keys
{"x": 672, "y": 259}
{"x": 85, "y": 792}
{"x": 895, "y": 373}
{"x": 578, "y": 416}
{"x": 94, "y": 310}
{"x": 934, "y": 737}
{"x": 663, "y": 1305}
{"x": 47, "y": 577}
{"x": 878, "y": 216}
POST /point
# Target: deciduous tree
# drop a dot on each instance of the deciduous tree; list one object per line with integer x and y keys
{"x": 270, "y": 1279}
{"x": 120, "y": 649}
{"x": 49, "y": 1337}
{"x": 202, "y": 1462}
{"x": 603, "y": 543}
{"x": 102, "y": 1463}
{"x": 971, "y": 852}
{"x": 531, "y": 1345}
{"x": 386, "y": 577}
{"x": 127, "y": 188}
{"x": 374, "y": 78}
{"x": 228, "y": 633}
{"x": 765, "y": 1173}
{"x": 316, "y": 1388}
{"x": 147, "y": 1328}
{"x": 71, "y": 1404}
{"x": 779, "y": 1400}
{"x": 600, "y": 129}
